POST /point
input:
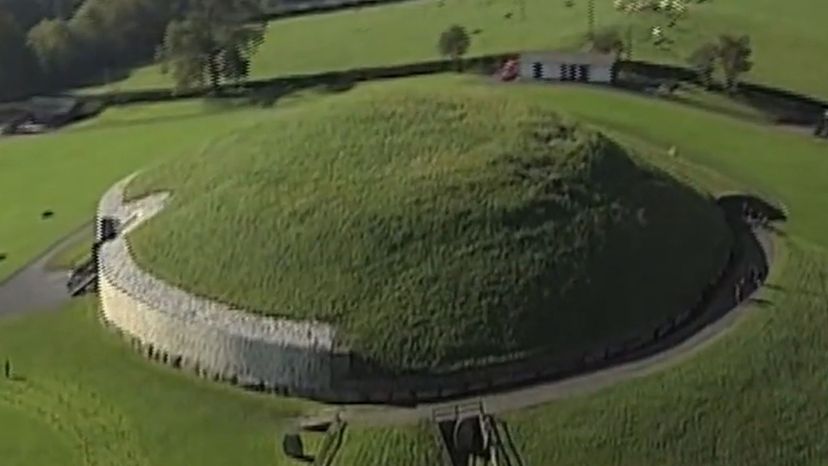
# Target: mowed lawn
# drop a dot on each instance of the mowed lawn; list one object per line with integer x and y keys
{"x": 785, "y": 37}
{"x": 66, "y": 172}
{"x": 24, "y": 437}
{"x": 87, "y": 391}
{"x": 386, "y": 446}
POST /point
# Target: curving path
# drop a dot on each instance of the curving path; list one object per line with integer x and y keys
{"x": 34, "y": 288}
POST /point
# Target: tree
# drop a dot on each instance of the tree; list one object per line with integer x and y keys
{"x": 454, "y": 43}
{"x": 734, "y": 56}
{"x": 19, "y": 73}
{"x": 608, "y": 41}
{"x": 703, "y": 60}
{"x": 27, "y": 13}
{"x": 52, "y": 42}
{"x": 212, "y": 42}
{"x": 121, "y": 31}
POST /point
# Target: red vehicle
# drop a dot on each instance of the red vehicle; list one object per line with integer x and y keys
{"x": 510, "y": 70}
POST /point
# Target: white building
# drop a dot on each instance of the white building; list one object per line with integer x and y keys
{"x": 559, "y": 66}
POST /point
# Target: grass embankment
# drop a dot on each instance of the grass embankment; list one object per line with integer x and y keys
{"x": 66, "y": 172}
{"x": 407, "y": 32}
{"x": 435, "y": 228}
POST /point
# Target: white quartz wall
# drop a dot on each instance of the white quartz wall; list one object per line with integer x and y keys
{"x": 184, "y": 329}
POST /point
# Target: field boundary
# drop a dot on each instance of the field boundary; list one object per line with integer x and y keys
{"x": 792, "y": 107}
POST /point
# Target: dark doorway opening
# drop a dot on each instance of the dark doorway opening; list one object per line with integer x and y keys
{"x": 583, "y": 73}
{"x": 537, "y": 70}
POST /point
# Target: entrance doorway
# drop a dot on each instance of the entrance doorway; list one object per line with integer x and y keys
{"x": 583, "y": 73}
{"x": 537, "y": 70}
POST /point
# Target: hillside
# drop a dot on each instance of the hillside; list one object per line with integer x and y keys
{"x": 415, "y": 221}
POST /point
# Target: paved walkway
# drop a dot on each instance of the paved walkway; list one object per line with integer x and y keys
{"x": 36, "y": 289}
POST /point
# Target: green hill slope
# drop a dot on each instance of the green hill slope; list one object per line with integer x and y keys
{"x": 436, "y": 229}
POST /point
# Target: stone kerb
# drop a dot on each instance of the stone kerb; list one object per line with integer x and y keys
{"x": 296, "y": 356}
{"x": 302, "y": 357}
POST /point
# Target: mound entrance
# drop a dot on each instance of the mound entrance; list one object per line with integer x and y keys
{"x": 435, "y": 231}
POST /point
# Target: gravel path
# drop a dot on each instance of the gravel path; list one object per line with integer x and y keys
{"x": 36, "y": 289}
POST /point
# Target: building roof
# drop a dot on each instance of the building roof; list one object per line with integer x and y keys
{"x": 576, "y": 58}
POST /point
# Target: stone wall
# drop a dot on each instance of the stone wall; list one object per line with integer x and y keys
{"x": 186, "y": 330}
{"x": 304, "y": 358}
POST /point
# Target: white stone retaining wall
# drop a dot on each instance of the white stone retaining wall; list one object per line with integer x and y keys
{"x": 298, "y": 357}
{"x": 301, "y": 357}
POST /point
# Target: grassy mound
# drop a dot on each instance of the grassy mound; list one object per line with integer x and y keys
{"x": 435, "y": 229}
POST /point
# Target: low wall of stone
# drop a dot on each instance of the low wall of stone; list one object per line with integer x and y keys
{"x": 185, "y": 330}
{"x": 305, "y": 358}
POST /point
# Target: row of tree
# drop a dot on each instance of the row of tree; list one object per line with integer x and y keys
{"x": 81, "y": 43}
{"x": 69, "y": 42}
{"x": 729, "y": 53}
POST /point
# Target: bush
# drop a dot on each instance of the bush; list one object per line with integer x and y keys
{"x": 454, "y": 43}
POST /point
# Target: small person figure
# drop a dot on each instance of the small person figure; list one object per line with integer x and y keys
{"x": 7, "y": 369}
{"x": 672, "y": 151}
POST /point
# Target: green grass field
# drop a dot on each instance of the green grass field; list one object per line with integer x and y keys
{"x": 68, "y": 171}
{"x": 784, "y": 37}
{"x": 374, "y": 200}
{"x": 385, "y": 446}
{"x": 106, "y": 405}
{"x": 24, "y": 437}
{"x": 756, "y": 397}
